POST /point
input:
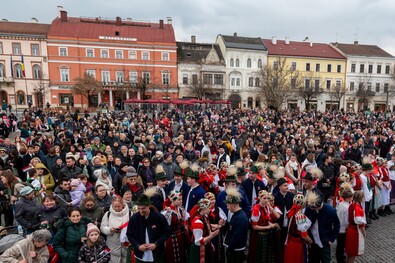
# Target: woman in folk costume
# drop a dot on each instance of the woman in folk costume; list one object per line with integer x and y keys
{"x": 295, "y": 246}
{"x": 355, "y": 233}
{"x": 377, "y": 185}
{"x": 355, "y": 171}
{"x": 264, "y": 227}
{"x": 342, "y": 178}
{"x": 206, "y": 180}
{"x": 202, "y": 248}
{"x": 219, "y": 179}
{"x": 384, "y": 172}
{"x": 217, "y": 218}
{"x": 176, "y": 245}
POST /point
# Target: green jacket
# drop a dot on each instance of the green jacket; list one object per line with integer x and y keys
{"x": 67, "y": 241}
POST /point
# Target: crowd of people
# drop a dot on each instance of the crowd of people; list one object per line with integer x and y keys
{"x": 199, "y": 185}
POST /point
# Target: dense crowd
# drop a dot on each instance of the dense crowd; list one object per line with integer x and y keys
{"x": 199, "y": 185}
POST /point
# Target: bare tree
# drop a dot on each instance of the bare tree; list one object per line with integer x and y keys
{"x": 311, "y": 89}
{"x": 364, "y": 92}
{"x": 87, "y": 86}
{"x": 278, "y": 83}
{"x": 40, "y": 89}
{"x": 199, "y": 88}
{"x": 336, "y": 94}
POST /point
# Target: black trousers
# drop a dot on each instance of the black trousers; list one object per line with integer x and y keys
{"x": 317, "y": 254}
{"x": 341, "y": 244}
{"x": 234, "y": 256}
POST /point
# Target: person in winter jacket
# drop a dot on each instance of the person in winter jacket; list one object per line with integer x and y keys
{"x": 32, "y": 249}
{"x": 77, "y": 192}
{"x": 62, "y": 192}
{"x": 104, "y": 179}
{"x": 27, "y": 211}
{"x": 51, "y": 212}
{"x": 94, "y": 248}
{"x": 103, "y": 199}
{"x": 114, "y": 226}
{"x": 71, "y": 233}
{"x": 91, "y": 211}
{"x": 46, "y": 178}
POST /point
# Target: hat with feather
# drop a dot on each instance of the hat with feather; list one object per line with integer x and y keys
{"x": 233, "y": 196}
{"x": 145, "y": 198}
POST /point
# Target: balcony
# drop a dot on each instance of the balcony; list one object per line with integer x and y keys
{"x": 115, "y": 85}
{"x": 7, "y": 81}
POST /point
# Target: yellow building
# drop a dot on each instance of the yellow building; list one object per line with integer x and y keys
{"x": 321, "y": 68}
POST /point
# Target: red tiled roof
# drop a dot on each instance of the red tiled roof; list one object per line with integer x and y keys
{"x": 92, "y": 29}
{"x": 24, "y": 28}
{"x": 362, "y": 50}
{"x": 301, "y": 49}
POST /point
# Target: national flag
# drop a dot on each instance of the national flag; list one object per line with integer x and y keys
{"x": 23, "y": 67}
{"x": 12, "y": 67}
{"x": 26, "y": 168}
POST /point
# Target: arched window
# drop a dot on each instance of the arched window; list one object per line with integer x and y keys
{"x": 249, "y": 102}
{"x": 18, "y": 71}
{"x": 231, "y": 63}
{"x": 259, "y": 63}
{"x": 21, "y": 98}
{"x": 2, "y": 73}
{"x": 249, "y": 63}
{"x": 237, "y": 63}
{"x": 258, "y": 102}
{"x": 257, "y": 82}
{"x": 250, "y": 81}
{"x": 36, "y": 72}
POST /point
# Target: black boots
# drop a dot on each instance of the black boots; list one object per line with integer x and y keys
{"x": 388, "y": 210}
{"x": 381, "y": 212}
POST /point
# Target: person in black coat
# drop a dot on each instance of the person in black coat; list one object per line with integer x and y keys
{"x": 148, "y": 230}
{"x": 179, "y": 185}
{"x": 252, "y": 183}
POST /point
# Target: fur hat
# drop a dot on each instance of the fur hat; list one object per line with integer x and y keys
{"x": 91, "y": 228}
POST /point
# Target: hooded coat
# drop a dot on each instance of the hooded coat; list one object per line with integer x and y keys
{"x": 46, "y": 179}
{"x": 25, "y": 246}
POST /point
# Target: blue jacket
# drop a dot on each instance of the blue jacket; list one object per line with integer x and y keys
{"x": 196, "y": 194}
{"x": 236, "y": 237}
{"x": 184, "y": 190}
{"x": 328, "y": 223}
{"x": 248, "y": 186}
{"x": 245, "y": 205}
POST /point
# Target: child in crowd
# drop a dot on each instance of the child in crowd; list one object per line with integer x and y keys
{"x": 94, "y": 248}
{"x": 77, "y": 192}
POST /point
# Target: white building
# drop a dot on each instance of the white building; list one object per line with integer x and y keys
{"x": 244, "y": 56}
{"x": 18, "y": 86}
{"x": 370, "y": 69}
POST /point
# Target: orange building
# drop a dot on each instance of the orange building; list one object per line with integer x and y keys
{"x": 131, "y": 59}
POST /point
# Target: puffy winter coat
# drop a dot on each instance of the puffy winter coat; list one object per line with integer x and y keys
{"x": 90, "y": 254}
{"x": 47, "y": 178}
{"x": 28, "y": 213}
{"x": 52, "y": 215}
{"x": 95, "y": 214}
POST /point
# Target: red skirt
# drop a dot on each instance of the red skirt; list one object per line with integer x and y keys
{"x": 176, "y": 248}
{"x": 294, "y": 251}
{"x": 355, "y": 242}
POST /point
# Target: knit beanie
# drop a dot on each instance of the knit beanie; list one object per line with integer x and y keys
{"x": 75, "y": 182}
{"x": 92, "y": 228}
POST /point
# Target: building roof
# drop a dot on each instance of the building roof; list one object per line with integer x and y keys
{"x": 93, "y": 28}
{"x": 188, "y": 52}
{"x": 21, "y": 28}
{"x": 361, "y": 50}
{"x": 301, "y": 49}
{"x": 235, "y": 41}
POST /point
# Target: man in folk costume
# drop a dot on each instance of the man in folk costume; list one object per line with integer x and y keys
{"x": 176, "y": 216}
{"x": 148, "y": 230}
{"x": 386, "y": 190}
{"x": 252, "y": 185}
{"x": 178, "y": 185}
{"x": 356, "y": 233}
{"x": 196, "y": 191}
{"x": 297, "y": 236}
{"x": 159, "y": 198}
{"x": 367, "y": 168}
{"x": 236, "y": 236}
{"x": 222, "y": 156}
{"x": 309, "y": 180}
{"x": 325, "y": 226}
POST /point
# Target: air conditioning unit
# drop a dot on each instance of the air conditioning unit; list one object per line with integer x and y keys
{"x": 45, "y": 59}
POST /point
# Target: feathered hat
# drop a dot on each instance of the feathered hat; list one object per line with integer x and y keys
{"x": 344, "y": 177}
{"x": 366, "y": 165}
{"x": 314, "y": 200}
{"x": 194, "y": 171}
{"x": 232, "y": 196}
{"x": 314, "y": 174}
{"x": 346, "y": 190}
{"x": 145, "y": 198}
{"x": 182, "y": 169}
{"x": 231, "y": 174}
{"x": 160, "y": 173}
{"x": 210, "y": 196}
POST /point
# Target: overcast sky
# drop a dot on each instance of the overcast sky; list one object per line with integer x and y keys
{"x": 368, "y": 21}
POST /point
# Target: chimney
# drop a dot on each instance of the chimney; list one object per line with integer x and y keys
{"x": 169, "y": 20}
{"x": 161, "y": 26}
{"x": 118, "y": 21}
{"x": 286, "y": 40}
{"x": 235, "y": 34}
{"x": 193, "y": 39}
{"x": 60, "y": 8}
{"x": 311, "y": 44}
{"x": 274, "y": 40}
{"x": 356, "y": 42}
{"x": 63, "y": 16}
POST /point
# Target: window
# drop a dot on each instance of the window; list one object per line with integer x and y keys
{"x": 233, "y": 81}
{"x": 369, "y": 85}
{"x": 18, "y": 71}
{"x": 307, "y": 66}
{"x": 165, "y": 78}
{"x": 293, "y": 83}
{"x": 377, "y": 87}
{"x": 64, "y": 74}
{"x": 275, "y": 65}
{"x": 250, "y": 81}
{"x": 317, "y": 84}
{"x": 1, "y": 48}
{"x": 146, "y": 77}
{"x": 370, "y": 69}
{"x": 231, "y": 63}
{"x": 238, "y": 82}
{"x": 317, "y": 67}
{"x": 145, "y": 55}
{"x": 2, "y": 72}
{"x": 352, "y": 86}
{"x": 293, "y": 66}
{"x": 329, "y": 68}
{"x": 63, "y": 51}
{"x": 194, "y": 79}
{"x": 104, "y": 53}
{"x": 306, "y": 83}
{"x": 105, "y": 77}
{"x": 257, "y": 82}
{"x": 36, "y": 72}
{"x": 338, "y": 84}
{"x": 207, "y": 79}
{"x": 118, "y": 54}
{"x": 339, "y": 69}
{"x": 353, "y": 68}
{"x": 328, "y": 84}
{"x": 16, "y": 48}
{"x": 133, "y": 77}
{"x": 35, "y": 49}
{"x": 237, "y": 63}
{"x": 21, "y": 99}
{"x": 91, "y": 72}
{"x": 120, "y": 76}
{"x": 249, "y": 63}
{"x": 184, "y": 78}
{"x": 378, "y": 69}
{"x": 165, "y": 56}
{"x": 218, "y": 79}
{"x": 386, "y": 85}
{"x": 90, "y": 52}
{"x": 387, "y": 69}
{"x": 65, "y": 98}
{"x": 132, "y": 54}
{"x": 259, "y": 63}
{"x": 361, "y": 68}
